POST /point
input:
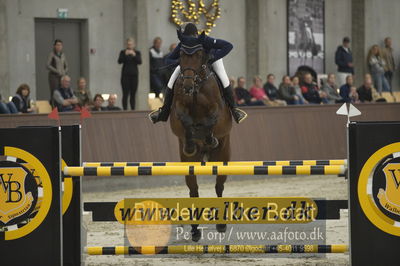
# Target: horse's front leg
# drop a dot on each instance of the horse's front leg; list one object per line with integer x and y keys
{"x": 209, "y": 124}
{"x": 189, "y": 148}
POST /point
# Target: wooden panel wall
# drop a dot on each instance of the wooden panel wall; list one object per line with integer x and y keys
{"x": 269, "y": 133}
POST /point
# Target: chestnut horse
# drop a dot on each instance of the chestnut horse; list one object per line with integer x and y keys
{"x": 201, "y": 120}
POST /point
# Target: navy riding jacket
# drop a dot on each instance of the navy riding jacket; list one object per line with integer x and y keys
{"x": 218, "y": 48}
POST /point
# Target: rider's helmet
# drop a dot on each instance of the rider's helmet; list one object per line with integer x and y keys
{"x": 189, "y": 29}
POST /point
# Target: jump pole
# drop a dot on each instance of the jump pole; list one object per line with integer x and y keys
{"x": 230, "y": 163}
{"x": 204, "y": 170}
{"x": 215, "y": 249}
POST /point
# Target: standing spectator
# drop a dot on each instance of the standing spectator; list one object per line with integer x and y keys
{"x": 288, "y": 92}
{"x": 377, "y": 69}
{"x": 64, "y": 97}
{"x": 297, "y": 89}
{"x": 130, "y": 58}
{"x": 272, "y": 91}
{"x": 331, "y": 90}
{"x": 345, "y": 89}
{"x": 156, "y": 62}
{"x": 98, "y": 101}
{"x": 57, "y": 66}
{"x": 344, "y": 61}
{"x": 243, "y": 96}
{"x": 21, "y": 99}
{"x": 112, "y": 99}
{"x": 387, "y": 55}
{"x": 168, "y": 71}
{"x": 311, "y": 92}
{"x": 83, "y": 93}
{"x": 7, "y": 108}
{"x": 367, "y": 92}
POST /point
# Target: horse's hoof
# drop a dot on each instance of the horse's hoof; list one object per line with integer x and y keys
{"x": 188, "y": 152}
{"x": 212, "y": 142}
{"x": 221, "y": 228}
{"x": 196, "y": 235}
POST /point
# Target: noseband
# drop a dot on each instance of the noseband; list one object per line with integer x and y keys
{"x": 197, "y": 78}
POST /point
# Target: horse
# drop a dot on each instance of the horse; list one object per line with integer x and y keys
{"x": 201, "y": 120}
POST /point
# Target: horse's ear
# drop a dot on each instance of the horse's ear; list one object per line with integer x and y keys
{"x": 179, "y": 33}
{"x": 202, "y": 37}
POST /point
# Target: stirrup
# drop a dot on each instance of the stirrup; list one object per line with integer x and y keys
{"x": 239, "y": 115}
{"x": 154, "y": 116}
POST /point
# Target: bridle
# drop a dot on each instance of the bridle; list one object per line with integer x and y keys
{"x": 199, "y": 76}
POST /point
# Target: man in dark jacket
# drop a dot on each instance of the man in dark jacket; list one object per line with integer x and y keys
{"x": 64, "y": 97}
{"x": 243, "y": 96}
{"x": 344, "y": 61}
{"x": 311, "y": 92}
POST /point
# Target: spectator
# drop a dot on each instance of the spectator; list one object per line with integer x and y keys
{"x": 232, "y": 82}
{"x": 98, "y": 101}
{"x": 344, "y": 61}
{"x": 331, "y": 90}
{"x": 57, "y": 66}
{"x": 345, "y": 89}
{"x": 367, "y": 92}
{"x": 387, "y": 55}
{"x": 157, "y": 80}
{"x": 354, "y": 98}
{"x": 311, "y": 92}
{"x": 83, "y": 93}
{"x": 112, "y": 99}
{"x": 258, "y": 92}
{"x": 168, "y": 71}
{"x": 272, "y": 91}
{"x": 288, "y": 92}
{"x": 7, "y": 108}
{"x": 243, "y": 96}
{"x": 64, "y": 97}
{"x": 297, "y": 89}
{"x": 21, "y": 99}
{"x": 377, "y": 69}
{"x": 130, "y": 58}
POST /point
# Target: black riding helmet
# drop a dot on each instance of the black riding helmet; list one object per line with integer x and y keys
{"x": 189, "y": 29}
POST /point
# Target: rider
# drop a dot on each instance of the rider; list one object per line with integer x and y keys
{"x": 217, "y": 49}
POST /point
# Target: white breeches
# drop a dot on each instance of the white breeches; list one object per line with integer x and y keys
{"x": 218, "y": 67}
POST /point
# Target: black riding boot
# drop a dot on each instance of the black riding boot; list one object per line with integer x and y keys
{"x": 238, "y": 114}
{"x": 162, "y": 114}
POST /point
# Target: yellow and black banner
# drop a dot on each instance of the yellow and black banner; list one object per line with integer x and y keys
{"x": 271, "y": 210}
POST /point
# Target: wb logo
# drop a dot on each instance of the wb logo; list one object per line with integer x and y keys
{"x": 18, "y": 193}
{"x": 10, "y": 188}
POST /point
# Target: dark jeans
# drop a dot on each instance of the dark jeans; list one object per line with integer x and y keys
{"x": 389, "y": 76}
{"x": 129, "y": 88}
{"x": 156, "y": 83}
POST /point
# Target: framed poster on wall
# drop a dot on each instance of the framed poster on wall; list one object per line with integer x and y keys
{"x": 306, "y": 35}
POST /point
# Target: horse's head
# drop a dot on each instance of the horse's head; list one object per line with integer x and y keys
{"x": 192, "y": 63}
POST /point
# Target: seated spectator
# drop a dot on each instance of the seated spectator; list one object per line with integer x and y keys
{"x": 112, "y": 99}
{"x": 257, "y": 92}
{"x": 7, "y": 108}
{"x": 354, "y": 95}
{"x": 287, "y": 92}
{"x": 345, "y": 89}
{"x": 311, "y": 92}
{"x": 331, "y": 90}
{"x": 98, "y": 101}
{"x": 243, "y": 96}
{"x": 21, "y": 99}
{"x": 83, "y": 93}
{"x": 64, "y": 97}
{"x": 272, "y": 91}
{"x": 297, "y": 89}
{"x": 367, "y": 92}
